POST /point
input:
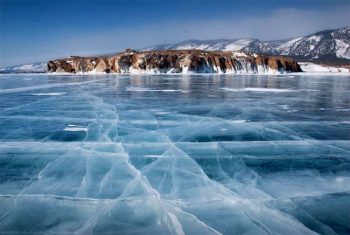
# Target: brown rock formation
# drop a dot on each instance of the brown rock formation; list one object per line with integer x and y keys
{"x": 175, "y": 61}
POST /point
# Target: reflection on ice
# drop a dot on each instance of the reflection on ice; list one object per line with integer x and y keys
{"x": 118, "y": 155}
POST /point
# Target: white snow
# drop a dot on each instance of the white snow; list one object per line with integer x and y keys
{"x": 142, "y": 89}
{"x": 342, "y": 49}
{"x": 185, "y": 70}
{"x": 36, "y": 67}
{"x": 239, "y": 121}
{"x": 50, "y": 94}
{"x": 72, "y": 127}
{"x": 192, "y": 46}
{"x": 284, "y": 48}
{"x": 238, "y": 45}
{"x": 26, "y": 66}
{"x": 239, "y": 54}
{"x": 312, "y": 68}
{"x": 314, "y": 39}
{"x": 257, "y": 89}
{"x": 92, "y": 72}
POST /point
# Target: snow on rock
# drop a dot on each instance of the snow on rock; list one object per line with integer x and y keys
{"x": 284, "y": 47}
{"x": 343, "y": 49}
{"x": 238, "y": 44}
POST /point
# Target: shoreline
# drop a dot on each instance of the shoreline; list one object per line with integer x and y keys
{"x": 181, "y": 74}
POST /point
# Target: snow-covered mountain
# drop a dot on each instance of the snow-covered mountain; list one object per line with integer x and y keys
{"x": 244, "y": 44}
{"x": 39, "y": 67}
{"x": 326, "y": 46}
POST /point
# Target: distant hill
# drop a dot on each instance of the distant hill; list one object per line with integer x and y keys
{"x": 39, "y": 67}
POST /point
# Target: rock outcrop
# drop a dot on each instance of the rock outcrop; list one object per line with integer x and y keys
{"x": 176, "y": 61}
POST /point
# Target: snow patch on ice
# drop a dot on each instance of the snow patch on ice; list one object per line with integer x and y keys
{"x": 50, "y": 94}
{"x": 72, "y": 127}
{"x": 284, "y": 106}
{"x": 139, "y": 89}
{"x": 257, "y": 89}
{"x": 238, "y": 121}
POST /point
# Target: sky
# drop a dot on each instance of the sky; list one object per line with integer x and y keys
{"x": 40, "y": 30}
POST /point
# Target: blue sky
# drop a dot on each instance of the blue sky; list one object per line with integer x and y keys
{"x": 41, "y": 30}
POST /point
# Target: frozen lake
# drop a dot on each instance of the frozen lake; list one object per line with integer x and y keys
{"x": 174, "y": 154}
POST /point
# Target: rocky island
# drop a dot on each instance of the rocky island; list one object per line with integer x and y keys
{"x": 176, "y": 61}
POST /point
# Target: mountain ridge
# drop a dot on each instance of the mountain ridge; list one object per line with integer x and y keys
{"x": 330, "y": 46}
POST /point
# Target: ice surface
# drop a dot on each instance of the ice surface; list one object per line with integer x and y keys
{"x": 174, "y": 155}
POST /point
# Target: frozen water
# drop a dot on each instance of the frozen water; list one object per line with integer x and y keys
{"x": 174, "y": 154}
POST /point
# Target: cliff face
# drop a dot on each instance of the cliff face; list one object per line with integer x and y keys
{"x": 176, "y": 61}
